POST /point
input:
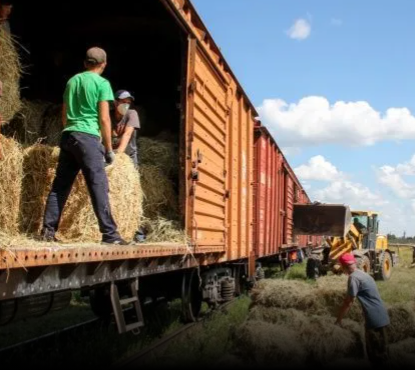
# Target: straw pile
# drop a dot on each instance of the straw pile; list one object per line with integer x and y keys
{"x": 160, "y": 230}
{"x": 322, "y": 340}
{"x": 266, "y": 344}
{"x": 286, "y": 294}
{"x": 402, "y": 324}
{"x": 161, "y": 153}
{"x": 11, "y": 169}
{"x": 52, "y": 125}
{"x": 78, "y": 223}
{"x": 159, "y": 169}
{"x": 403, "y": 353}
{"x": 10, "y": 71}
{"x": 160, "y": 199}
{"x": 310, "y": 311}
{"x": 323, "y": 299}
{"x": 26, "y": 126}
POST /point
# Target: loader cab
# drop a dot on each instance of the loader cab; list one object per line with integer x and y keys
{"x": 367, "y": 223}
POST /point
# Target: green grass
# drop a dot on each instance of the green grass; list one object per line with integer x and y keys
{"x": 205, "y": 344}
{"x": 400, "y": 287}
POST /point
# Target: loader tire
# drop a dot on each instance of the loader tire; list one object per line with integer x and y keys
{"x": 363, "y": 263}
{"x": 313, "y": 268}
{"x": 385, "y": 269}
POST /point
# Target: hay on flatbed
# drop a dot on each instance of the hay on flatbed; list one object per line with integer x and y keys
{"x": 160, "y": 153}
{"x": 52, "y": 125}
{"x": 160, "y": 199}
{"x": 11, "y": 170}
{"x": 160, "y": 230}
{"x": 37, "y": 122}
{"x": 78, "y": 223}
{"x": 10, "y": 71}
{"x": 26, "y": 126}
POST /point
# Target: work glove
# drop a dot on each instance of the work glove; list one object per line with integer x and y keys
{"x": 109, "y": 157}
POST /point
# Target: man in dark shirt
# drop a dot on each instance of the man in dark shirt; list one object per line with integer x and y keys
{"x": 125, "y": 123}
{"x": 362, "y": 286}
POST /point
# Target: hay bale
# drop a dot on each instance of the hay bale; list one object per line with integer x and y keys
{"x": 266, "y": 344}
{"x": 160, "y": 152}
{"x": 402, "y": 324}
{"x": 26, "y": 126}
{"x": 52, "y": 125}
{"x": 160, "y": 199}
{"x": 78, "y": 223}
{"x": 403, "y": 347}
{"x": 10, "y": 71}
{"x": 160, "y": 230}
{"x": 37, "y": 122}
{"x": 39, "y": 170}
{"x": 321, "y": 338}
{"x": 286, "y": 294}
{"x": 402, "y": 353}
{"x": 11, "y": 170}
{"x": 331, "y": 291}
{"x": 279, "y": 316}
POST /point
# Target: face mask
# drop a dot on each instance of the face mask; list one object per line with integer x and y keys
{"x": 123, "y": 108}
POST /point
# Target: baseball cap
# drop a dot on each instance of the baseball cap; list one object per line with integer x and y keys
{"x": 347, "y": 259}
{"x": 123, "y": 94}
{"x": 96, "y": 55}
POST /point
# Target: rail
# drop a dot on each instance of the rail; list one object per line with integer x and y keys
{"x": 134, "y": 360}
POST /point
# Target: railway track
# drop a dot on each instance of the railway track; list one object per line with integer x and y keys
{"x": 139, "y": 358}
{"x": 50, "y": 337}
{"x": 69, "y": 334}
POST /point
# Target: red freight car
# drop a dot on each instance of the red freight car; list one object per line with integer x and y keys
{"x": 276, "y": 190}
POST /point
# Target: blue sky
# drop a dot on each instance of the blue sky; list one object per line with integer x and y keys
{"x": 335, "y": 83}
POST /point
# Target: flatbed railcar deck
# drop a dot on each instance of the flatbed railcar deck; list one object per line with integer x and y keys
{"x": 45, "y": 268}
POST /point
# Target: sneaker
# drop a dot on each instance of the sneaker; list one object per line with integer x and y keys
{"x": 115, "y": 242}
{"x": 139, "y": 236}
{"x": 48, "y": 236}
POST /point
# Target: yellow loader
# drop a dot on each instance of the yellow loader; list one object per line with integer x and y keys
{"x": 344, "y": 231}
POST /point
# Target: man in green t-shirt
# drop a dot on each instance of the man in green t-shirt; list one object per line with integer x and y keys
{"x": 85, "y": 119}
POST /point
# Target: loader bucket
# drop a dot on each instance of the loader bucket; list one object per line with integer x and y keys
{"x": 322, "y": 219}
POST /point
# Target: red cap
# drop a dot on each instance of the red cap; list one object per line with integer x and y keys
{"x": 347, "y": 259}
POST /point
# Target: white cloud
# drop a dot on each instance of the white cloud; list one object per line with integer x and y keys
{"x": 355, "y": 195}
{"x": 336, "y": 22}
{"x": 390, "y": 177}
{"x": 407, "y": 168}
{"x": 318, "y": 169}
{"x": 300, "y": 30}
{"x": 291, "y": 151}
{"x": 314, "y": 121}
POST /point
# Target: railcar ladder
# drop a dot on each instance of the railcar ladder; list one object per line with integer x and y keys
{"x": 118, "y": 304}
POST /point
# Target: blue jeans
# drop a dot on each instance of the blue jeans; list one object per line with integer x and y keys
{"x": 81, "y": 152}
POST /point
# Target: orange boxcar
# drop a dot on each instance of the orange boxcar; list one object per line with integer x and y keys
{"x": 163, "y": 50}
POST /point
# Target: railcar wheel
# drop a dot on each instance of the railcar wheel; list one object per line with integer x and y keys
{"x": 191, "y": 296}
